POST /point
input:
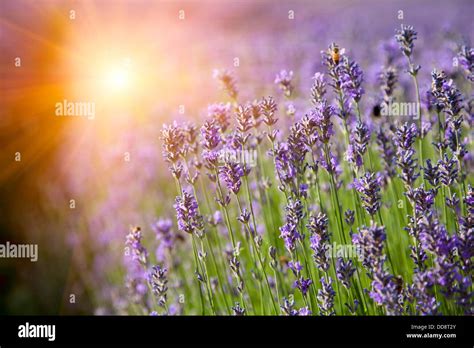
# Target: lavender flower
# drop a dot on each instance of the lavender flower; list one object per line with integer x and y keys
{"x": 134, "y": 242}
{"x": 438, "y": 81}
{"x": 284, "y": 82}
{"x": 159, "y": 283}
{"x": 388, "y": 79}
{"x": 210, "y": 133}
{"x": 283, "y": 164}
{"x": 227, "y": 82}
{"x": 256, "y": 112}
{"x": 318, "y": 90}
{"x": 426, "y": 303}
{"x": 466, "y": 232}
{"x": 406, "y": 37}
{"x": 387, "y": 292}
{"x": 289, "y": 231}
{"x": 326, "y": 297}
{"x": 244, "y": 217}
{"x": 231, "y": 173}
{"x": 352, "y": 79}
{"x": 447, "y": 98}
{"x": 235, "y": 268}
{"x": 371, "y": 240}
{"x": 320, "y": 251}
{"x": 387, "y": 151}
{"x": 288, "y": 307}
{"x": 244, "y": 118}
{"x": 304, "y": 311}
{"x": 447, "y": 170}
{"x": 408, "y": 166}
{"x": 420, "y": 198}
{"x": 309, "y": 128}
{"x": 368, "y": 187}
{"x": 333, "y": 167}
{"x": 404, "y": 138}
{"x": 360, "y": 138}
{"x": 322, "y": 114}
{"x": 466, "y": 59}
{"x": 189, "y": 219}
{"x": 165, "y": 236}
{"x": 238, "y": 310}
{"x": 269, "y": 108}
{"x": 349, "y": 217}
{"x": 345, "y": 270}
{"x": 221, "y": 114}
{"x": 431, "y": 174}
{"x": 173, "y": 141}
{"x": 317, "y": 226}
{"x": 303, "y": 285}
{"x": 295, "y": 267}
{"x": 332, "y": 59}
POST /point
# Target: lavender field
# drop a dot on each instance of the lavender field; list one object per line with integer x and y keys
{"x": 250, "y": 158}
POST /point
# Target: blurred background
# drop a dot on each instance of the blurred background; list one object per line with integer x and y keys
{"x": 142, "y": 64}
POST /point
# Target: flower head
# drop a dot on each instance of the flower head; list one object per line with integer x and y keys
{"x": 134, "y": 242}
{"x": 284, "y": 80}
{"x": 173, "y": 142}
{"x": 189, "y": 219}
{"x": 318, "y": 90}
{"x": 406, "y": 37}
{"x": 227, "y": 82}
{"x": 211, "y": 137}
{"x": 368, "y": 187}
{"x": 345, "y": 271}
{"x": 221, "y": 113}
{"x": 466, "y": 60}
{"x": 269, "y": 108}
{"x": 159, "y": 283}
{"x": 351, "y": 80}
{"x": 326, "y": 297}
{"x": 371, "y": 240}
{"x": 231, "y": 173}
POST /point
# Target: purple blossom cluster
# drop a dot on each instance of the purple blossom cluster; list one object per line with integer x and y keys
{"x": 414, "y": 245}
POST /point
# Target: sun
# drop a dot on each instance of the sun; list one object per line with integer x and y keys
{"x": 118, "y": 77}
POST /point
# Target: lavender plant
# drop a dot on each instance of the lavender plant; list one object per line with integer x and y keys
{"x": 336, "y": 179}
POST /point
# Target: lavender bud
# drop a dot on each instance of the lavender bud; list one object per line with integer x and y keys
{"x": 284, "y": 82}
{"x": 238, "y": 311}
{"x": 158, "y": 282}
{"x": 269, "y": 108}
{"x": 345, "y": 271}
{"x": 227, "y": 82}
{"x": 405, "y": 38}
{"x": 368, "y": 187}
{"x": 326, "y": 297}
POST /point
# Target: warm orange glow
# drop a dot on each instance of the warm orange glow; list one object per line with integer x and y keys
{"x": 118, "y": 78}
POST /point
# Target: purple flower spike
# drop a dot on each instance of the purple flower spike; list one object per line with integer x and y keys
{"x": 134, "y": 242}
{"x": 326, "y": 297}
{"x": 189, "y": 220}
{"x": 303, "y": 285}
{"x": 284, "y": 81}
{"x": 345, "y": 270}
{"x": 231, "y": 173}
{"x": 406, "y": 37}
{"x": 368, "y": 187}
